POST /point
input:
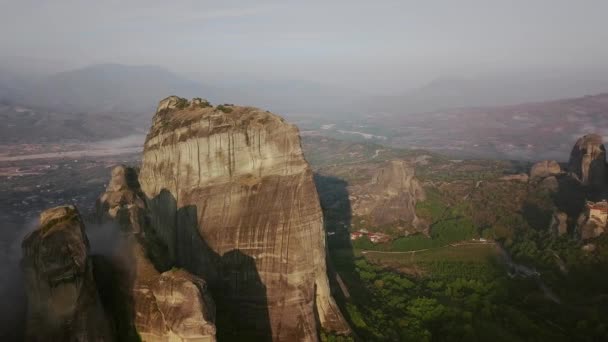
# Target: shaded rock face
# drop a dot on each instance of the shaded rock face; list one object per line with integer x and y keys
{"x": 170, "y": 306}
{"x": 175, "y": 306}
{"x": 550, "y": 183}
{"x": 232, "y": 200}
{"x": 122, "y": 200}
{"x": 545, "y": 168}
{"x": 588, "y": 160}
{"x": 63, "y": 300}
{"x": 559, "y": 223}
{"x": 391, "y": 196}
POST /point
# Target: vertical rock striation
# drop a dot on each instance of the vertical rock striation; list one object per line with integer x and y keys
{"x": 232, "y": 200}
{"x": 63, "y": 300}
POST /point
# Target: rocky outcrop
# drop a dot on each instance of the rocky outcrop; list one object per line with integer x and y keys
{"x": 588, "y": 160}
{"x": 170, "y": 306}
{"x": 550, "y": 184}
{"x": 63, "y": 300}
{"x": 559, "y": 223}
{"x": 123, "y": 201}
{"x": 390, "y": 197}
{"x": 174, "y": 306}
{"x": 232, "y": 200}
{"x": 593, "y": 222}
{"x": 545, "y": 168}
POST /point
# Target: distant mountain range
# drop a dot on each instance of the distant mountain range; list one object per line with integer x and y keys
{"x": 110, "y": 88}
{"x": 448, "y": 93}
{"x": 531, "y": 131}
{"x": 112, "y": 99}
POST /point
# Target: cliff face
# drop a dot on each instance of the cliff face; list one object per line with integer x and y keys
{"x": 170, "y": 306}
{"x": 63, "y": 300}
{"x": 232, "y": 199}
{"x": 588, "y": 160}
{"x": 593, "y": 222}
{"x": 391, "y": 196}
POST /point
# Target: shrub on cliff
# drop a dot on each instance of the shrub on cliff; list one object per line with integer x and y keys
{"x": 182, "y": 103}
{"x": 201, "y": 103}
{"x": 224, "y": 108}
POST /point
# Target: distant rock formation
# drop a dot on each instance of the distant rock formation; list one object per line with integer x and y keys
{"x": 545, "y": 168}
{"x": 550, "y": 183}
{"x": 588, "y": 160}
{"x": 232, "y": 200}
{"x": 391, "y": 197}
{"x": 559, "y": 223}
{"x": 593, "y": 222}
{"x": 63, "y": 300}
{"x": 170, "y": 306}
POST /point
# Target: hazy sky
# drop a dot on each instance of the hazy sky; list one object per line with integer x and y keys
{"x": 382, "y": 43}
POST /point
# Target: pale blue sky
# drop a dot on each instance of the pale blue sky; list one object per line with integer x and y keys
{"x": 380, "y": 43}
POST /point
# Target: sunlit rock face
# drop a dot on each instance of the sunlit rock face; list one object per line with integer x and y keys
{"x": 545, "y": 168}
{"x": 170, "y": 306}
{"x": 588, "y": 160}
{"x": 233, "y": 200}
{"x": 63, "y": 300}
{"x": 390, "y": 197}
{"x": 593, "y": 222}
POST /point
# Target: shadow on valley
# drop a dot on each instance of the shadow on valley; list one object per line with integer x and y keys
{"x": 569, "y": 198}
{"x": 232, "y": 278}
{"x": 343, "y": 277}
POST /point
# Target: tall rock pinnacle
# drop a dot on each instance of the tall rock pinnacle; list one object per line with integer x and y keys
{"x": 233, "y": 201}
{"x": 588, "y": 160}
{"x": 63, "y": 300}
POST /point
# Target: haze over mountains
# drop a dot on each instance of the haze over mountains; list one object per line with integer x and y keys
{"x": 107, "y": 101}
{"x": 131, "y": 89}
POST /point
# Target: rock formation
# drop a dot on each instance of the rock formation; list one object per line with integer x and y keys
{"x": 593, "y": 222}
{"x": 390, "y": 197}
{"x": 232, "y": 200}
{"x": 63, "y": 300}
{"x": 550, "y": 183}
{"x": 545, "y": 168}
{"x": 588, "y": 160}
{"x": 170, "y": 306}
{"x": 559, "y": 223}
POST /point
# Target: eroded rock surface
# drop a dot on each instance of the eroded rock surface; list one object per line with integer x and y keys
{"x": 545, "y": 168}
{"x": 391, "y": 197}
{"x": 559, "y": 223}
{"x": 63, "y": 300}
{"x": 593, "y": 222}
{"x": 170, "y": 306}
{"x": 232, "y": 200}
{"x": 588, "y": 160}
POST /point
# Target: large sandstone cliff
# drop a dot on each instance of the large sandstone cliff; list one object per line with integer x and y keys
{"x": 63, "y": 299}
{"x": 232, "y": 200}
